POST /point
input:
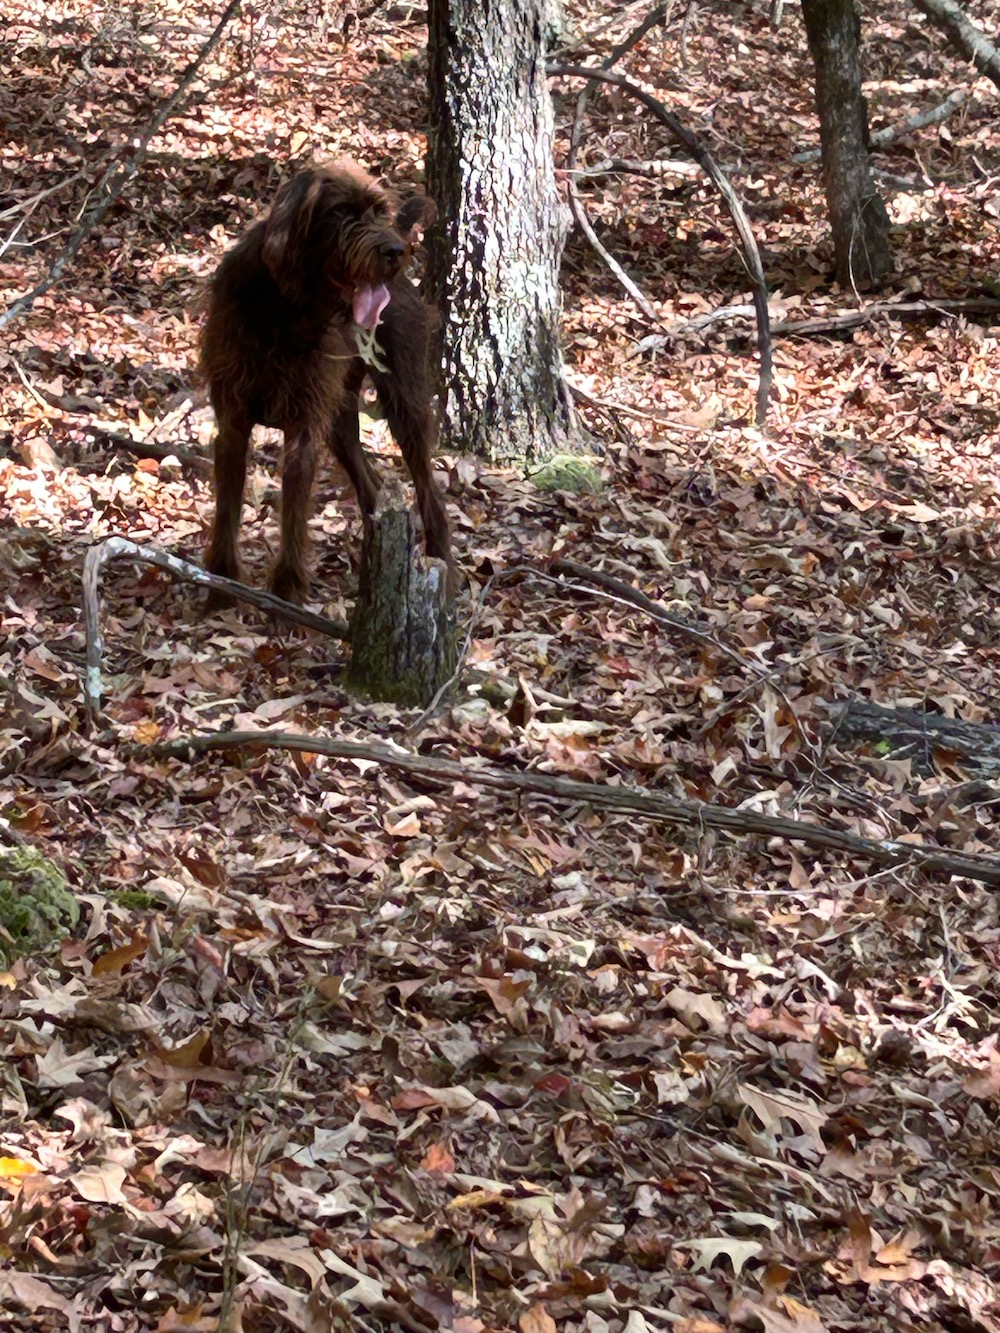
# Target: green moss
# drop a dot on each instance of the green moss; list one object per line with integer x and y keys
{"x": 568, "y": 472}
{"x": 36, "y": 907}
{"x": 137, "y": 900}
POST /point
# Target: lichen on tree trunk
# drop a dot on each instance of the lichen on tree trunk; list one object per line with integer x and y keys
{"x": 402, "y": 630}
{"x": 858, "y": 219}
{"x": 494, "y": 263}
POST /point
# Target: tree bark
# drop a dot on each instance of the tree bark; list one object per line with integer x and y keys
{"x": 494, "y": 265}
{"x": 926, "y": 738}
{"x": 964, "y": 36}
{"x": 858, "y": 219}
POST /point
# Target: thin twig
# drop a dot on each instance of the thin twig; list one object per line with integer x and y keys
{"x": 118, "y": 174}
{"x": 661, "y": 418}
{"x": 596, "y": 244}
{"x": 23, "y": 377}
{"x": 27, "y": 206}
{"x": 573, "y": 194}
{"x": 718, "y": 177}
{"x": 626, "y": 593}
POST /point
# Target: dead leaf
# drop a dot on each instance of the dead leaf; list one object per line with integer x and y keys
{"x": 30, "y": 1293}
{"x": 101, "y": 1183}
{"x": 116, "y": 960}
{"x": 697, "y": 1010}
{"x": 536, "y": 1320}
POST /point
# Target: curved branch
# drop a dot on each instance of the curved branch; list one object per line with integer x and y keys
{"x": 573, "y": 194}
{"x": 719, "y": 179}
{"x": 114, "y": 548}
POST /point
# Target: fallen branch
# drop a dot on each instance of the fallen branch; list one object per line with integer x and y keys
{"x": 117, "y": 547}
{"x": 197, "y": 463}
{"x": 653, "y": 169}
{"x": 623, "y": 800}
{"x": 923, "y": 737}
{"x": 98, "y": 433}
{"x": 882, "y": 138}
{"x": 118, "y": 174}
{"x": 848, "y": 319}
{"x": 968, "y": 40}
{"x": 751, "y": 253}
{"x": 973, "y": 305}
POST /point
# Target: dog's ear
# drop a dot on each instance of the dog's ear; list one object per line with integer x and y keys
{"x": 287, "y": 225}
{"x": 415, "y": 216}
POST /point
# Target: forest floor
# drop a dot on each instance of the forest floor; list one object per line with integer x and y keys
{"x": 337, "y": 1046}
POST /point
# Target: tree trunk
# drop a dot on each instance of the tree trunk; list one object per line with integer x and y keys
{"x": 964, "y": 36}
{"x": 858, "y": 218}
{"x": 494, "y": 265}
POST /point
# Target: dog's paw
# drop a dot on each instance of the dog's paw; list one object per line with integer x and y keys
{"x": 225, "y": 566}
{"x": 290, "y": 584}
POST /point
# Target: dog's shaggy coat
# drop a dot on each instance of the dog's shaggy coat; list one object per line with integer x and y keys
{"x": 287, "y": 307}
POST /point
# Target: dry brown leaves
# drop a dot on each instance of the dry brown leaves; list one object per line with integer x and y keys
{"x": 336, "y": 1049}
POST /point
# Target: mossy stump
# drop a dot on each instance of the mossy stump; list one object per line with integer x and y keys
{"x": 402, "y": 630}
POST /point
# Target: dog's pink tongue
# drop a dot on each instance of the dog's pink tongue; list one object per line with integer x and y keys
{"x": 369, "y": 302}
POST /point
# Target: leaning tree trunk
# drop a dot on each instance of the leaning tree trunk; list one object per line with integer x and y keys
{"x": 858, "y": 218}
{"x": 494, "y": 267}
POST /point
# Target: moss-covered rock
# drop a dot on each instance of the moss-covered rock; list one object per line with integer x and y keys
{"x": 36, "y": 907}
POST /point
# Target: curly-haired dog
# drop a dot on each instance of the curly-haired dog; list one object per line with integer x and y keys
{"x": 289, "y": 307}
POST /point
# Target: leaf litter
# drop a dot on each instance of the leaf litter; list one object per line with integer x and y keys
{"x": 333, "y": 1046}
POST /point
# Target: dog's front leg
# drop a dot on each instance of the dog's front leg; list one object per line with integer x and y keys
{"x": 231, "y": 446}
{"x": 290, "y": 579}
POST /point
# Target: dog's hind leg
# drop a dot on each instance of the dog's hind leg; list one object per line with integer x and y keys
{"x": 412, "y": 424}
{"x": 231, "y": 446}
{"x": 290, "y": 579}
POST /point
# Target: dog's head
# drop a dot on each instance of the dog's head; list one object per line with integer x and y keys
{"x": 332, "y": 236}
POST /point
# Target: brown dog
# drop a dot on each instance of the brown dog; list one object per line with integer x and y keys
{"x": 288, "y": 309}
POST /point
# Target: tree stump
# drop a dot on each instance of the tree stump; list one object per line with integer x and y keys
{"x": 402, "y": 630}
